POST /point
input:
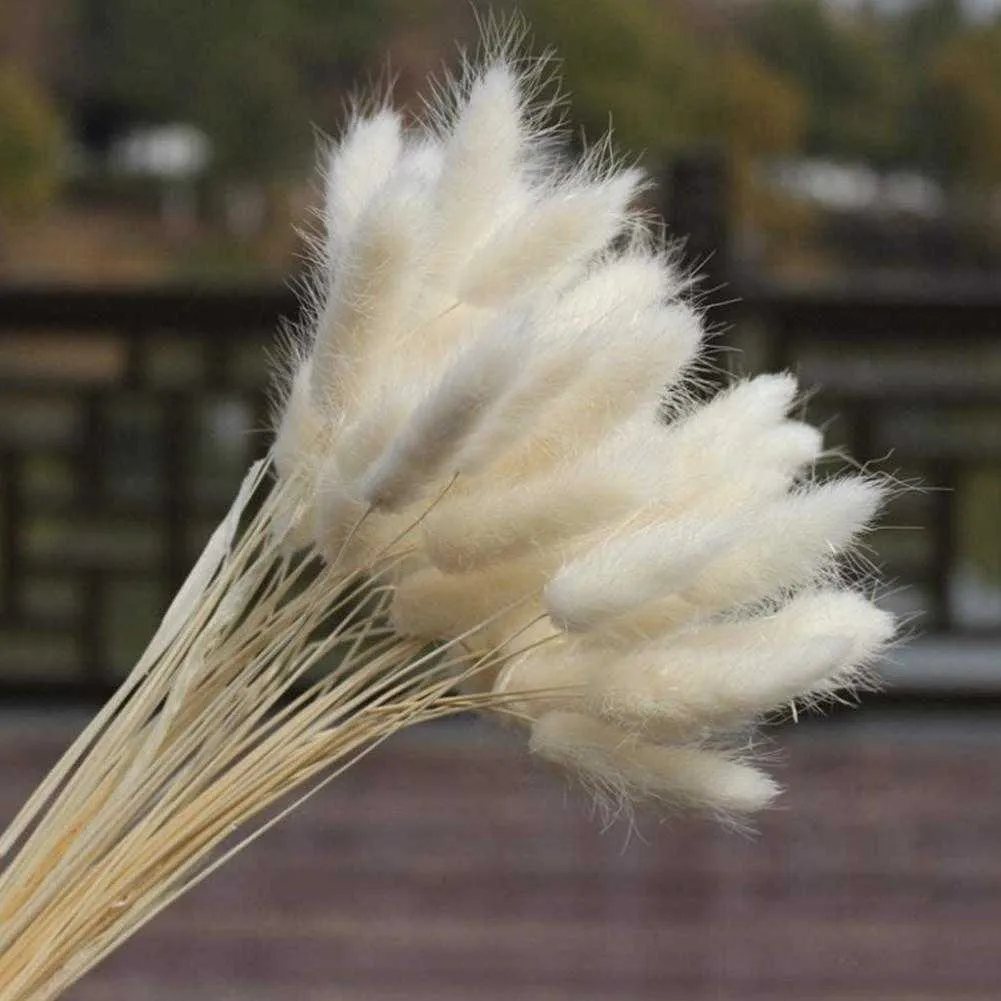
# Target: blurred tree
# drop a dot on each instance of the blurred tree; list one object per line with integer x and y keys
{"x": 926, "y": 26}
{"x": 667, "y": 81}
{"x": 254, "y": 74}
{"x": 754, "y": 111}
{"x": 961, "y": 106}
{"x": 30, "y": 145}
{"x": 921, "y": 34}
{"x": 846, "y": 67}
{"x": 674, "y": 77}
{"x": 757, "y": 114}
{"x": 633, "y": 60}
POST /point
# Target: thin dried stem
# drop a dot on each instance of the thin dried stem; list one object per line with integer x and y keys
{"x": 222, "y": 719}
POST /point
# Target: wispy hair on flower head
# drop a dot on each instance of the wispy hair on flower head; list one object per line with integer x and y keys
{"x": 491, "y": 387}
{"x": 491, "y": 488}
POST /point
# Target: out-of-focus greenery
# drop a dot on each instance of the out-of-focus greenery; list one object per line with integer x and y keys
{"x": 666, "y": 84}
{"x": 963, "y": 97}
{"x": 843, "y": 68}
{"x": 256, "y": 75}
{"x": 670, "y": 84}
{"x": 29, "y": 144}
{"x": 916, "y": 85}
{"x": 918, "y": 88}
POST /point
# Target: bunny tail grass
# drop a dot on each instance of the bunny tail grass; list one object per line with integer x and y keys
{"x": 496, "y": 484}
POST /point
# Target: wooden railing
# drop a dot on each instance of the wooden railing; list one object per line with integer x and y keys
{"x": 908, "y": 377}
{"x": 126, "y": 418}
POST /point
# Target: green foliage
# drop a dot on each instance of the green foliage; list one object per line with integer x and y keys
{"x": 626, "y": 58}
{"x": 667, "y": 81}
{"x": 256, "y": 75}
{"x": 962, "y": 97}
{"x": 29, "y": 144}
{"x": 671, "y": 82}
{"x": 913, "y": 85}
{"x": 927, "y": 26}
{"x": 845, "y": 68}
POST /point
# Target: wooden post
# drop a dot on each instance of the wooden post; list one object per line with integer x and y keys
{"x": 696, "y": 213}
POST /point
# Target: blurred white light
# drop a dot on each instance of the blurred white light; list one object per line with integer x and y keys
{"x": 175, "y": 151}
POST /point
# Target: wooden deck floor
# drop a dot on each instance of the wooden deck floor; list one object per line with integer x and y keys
{"x": 448, "y": 867}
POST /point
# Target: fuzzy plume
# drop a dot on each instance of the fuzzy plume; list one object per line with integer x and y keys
{"x": 660, "y": 580}
{"x": 491, "y": 489}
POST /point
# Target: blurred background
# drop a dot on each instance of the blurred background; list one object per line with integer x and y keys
{"x": 834, "y": 166}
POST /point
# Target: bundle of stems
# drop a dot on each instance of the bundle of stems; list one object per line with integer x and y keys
{"x": 224, "y": 715}
{"x": 496, "y": 485}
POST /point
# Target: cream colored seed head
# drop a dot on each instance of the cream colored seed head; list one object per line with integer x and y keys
{"x": 668, "y": 578}
{"x": 481, "y": 505}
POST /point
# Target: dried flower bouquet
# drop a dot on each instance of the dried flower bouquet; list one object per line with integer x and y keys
{"x": 493, "y": 488}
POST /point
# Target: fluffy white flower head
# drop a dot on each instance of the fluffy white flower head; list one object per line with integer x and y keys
{"x": 477, "y": 415}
